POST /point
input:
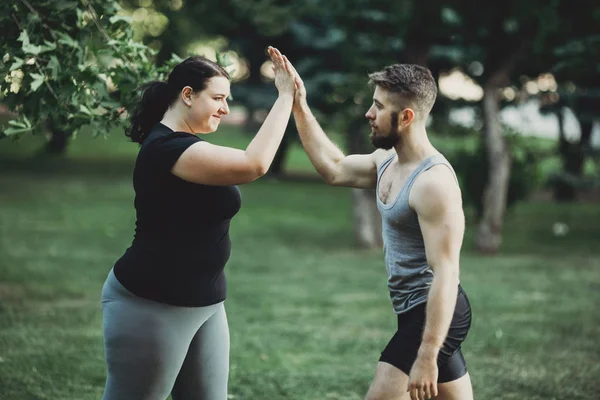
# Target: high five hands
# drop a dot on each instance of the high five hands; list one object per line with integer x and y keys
{"x": 286, "y": 73}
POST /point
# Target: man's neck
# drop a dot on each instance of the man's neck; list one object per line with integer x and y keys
{"x": 414, "y": 146}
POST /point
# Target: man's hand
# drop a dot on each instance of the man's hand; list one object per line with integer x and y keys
{"x": 300, "y": 95}
{"x": 422, "y": 381}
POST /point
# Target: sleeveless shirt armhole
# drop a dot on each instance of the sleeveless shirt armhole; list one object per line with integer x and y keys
{"x": 427, "y": 168}
{"x": 447, "y": 164}
{"x": 385, "y": 163}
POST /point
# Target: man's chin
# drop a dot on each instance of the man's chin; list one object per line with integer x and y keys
{"x": 381, "y": 143}
{"x": 383, "y": 147}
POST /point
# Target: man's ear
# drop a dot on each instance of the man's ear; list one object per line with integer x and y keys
{"x": 407, "y": 116}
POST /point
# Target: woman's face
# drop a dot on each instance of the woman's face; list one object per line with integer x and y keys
{"x": 209, "y": 105}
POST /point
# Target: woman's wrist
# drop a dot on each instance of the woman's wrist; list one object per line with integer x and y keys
{"x": 286, "y": 95}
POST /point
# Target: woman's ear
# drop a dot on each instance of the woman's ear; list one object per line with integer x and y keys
{"x": 186, "y": 95}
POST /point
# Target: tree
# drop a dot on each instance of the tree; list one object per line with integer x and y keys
{"x": 501, "y": 38}
{"x": 69, "y": 64}
{"x": 577, "y": 63}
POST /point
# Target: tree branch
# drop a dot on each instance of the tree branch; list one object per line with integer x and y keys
{"x": 37, "y": 64}
{"x": 500, "y": 74}
{"x": 103, "y": 31}
{"x": 95, "y": 19}
{"x": 33, "y": 10}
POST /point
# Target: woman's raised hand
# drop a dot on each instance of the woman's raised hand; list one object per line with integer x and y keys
{"x": 284, "y": 73}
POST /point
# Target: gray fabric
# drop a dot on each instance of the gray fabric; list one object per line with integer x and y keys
{"x": 153, "y": 349}
{"x": 409, "y": 274}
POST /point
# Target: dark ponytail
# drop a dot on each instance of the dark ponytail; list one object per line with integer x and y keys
{"x": 158, "y": 96}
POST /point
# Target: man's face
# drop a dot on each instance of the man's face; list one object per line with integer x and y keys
{"x": 383, "y": 118}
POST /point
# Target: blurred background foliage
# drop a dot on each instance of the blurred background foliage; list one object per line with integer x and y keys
{"x": 85, "y": 58}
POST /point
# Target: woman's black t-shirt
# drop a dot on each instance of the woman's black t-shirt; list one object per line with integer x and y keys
{"x": 181, "y": 242}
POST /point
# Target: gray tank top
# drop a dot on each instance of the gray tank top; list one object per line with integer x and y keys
{"x": 409, "y": 274}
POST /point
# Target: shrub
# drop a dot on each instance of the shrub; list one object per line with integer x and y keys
{"x": 471, "y": 166}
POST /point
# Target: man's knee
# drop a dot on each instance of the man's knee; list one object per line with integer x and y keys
{"x": 459, "y": 389}
{"x": 389, "y": 383}
{"x": 375, "y": 393}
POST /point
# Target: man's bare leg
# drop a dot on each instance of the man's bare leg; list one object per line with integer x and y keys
{"x": 390, "y": 383}
{"x": 459, "y": 389}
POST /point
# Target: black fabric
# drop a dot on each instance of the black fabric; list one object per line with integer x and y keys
{"x": 402, "y": 349}
{"x": 181, "y": 242}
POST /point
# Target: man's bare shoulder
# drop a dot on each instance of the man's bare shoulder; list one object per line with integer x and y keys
{"x": 436, "y": 188}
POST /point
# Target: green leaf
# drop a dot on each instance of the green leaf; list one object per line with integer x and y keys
{"x": 24, "y": 37}
{"x": 17, "y": 64}
{"x": 16, "y": 123}
{"x": 54, "y": 67}
{"x": 15, "y": 131}
{"x": 32, "y": 49}
{"x": 18, "y": 126}
{"x": 38, "y": 80}
{"x": 84, "y": 109}
{"x": 27, "y": 47}
{"x": 67, "y": 40}
{"x": 48, "y": 47}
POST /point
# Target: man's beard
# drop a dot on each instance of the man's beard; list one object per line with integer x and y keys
{"x": 391, "y": 139}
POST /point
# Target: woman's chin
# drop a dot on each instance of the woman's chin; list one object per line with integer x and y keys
{"x": 208, "y": 129}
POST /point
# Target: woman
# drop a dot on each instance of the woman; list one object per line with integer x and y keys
{"x": 165, "y": 327}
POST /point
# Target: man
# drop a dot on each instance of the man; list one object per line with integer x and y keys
{"x": 423, "y": 226}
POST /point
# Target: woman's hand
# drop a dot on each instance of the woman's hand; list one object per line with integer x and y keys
{"x": 284, "y": 74}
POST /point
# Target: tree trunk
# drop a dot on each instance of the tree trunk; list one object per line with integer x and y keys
{"x": 57, "y": 138}
{"x": 563, "y": 190}
{"x": 367, "y": 220}
{"x": 489, "y": 235}
{"x": 57, "y": 142}
{"x": 573, "y": 160}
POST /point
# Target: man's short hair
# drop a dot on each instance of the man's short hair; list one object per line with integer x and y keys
{"x": 413, "y": 84}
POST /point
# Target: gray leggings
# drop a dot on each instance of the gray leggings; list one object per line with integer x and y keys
{"x": 153, "y": 349}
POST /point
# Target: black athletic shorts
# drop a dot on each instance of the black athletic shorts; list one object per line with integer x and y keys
{"x": 401, "y": 351}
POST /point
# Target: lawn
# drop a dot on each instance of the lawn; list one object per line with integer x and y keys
{"x": 308, "y": 311}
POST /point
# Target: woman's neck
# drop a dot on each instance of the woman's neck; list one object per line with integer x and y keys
{"x": 175, "y": 121}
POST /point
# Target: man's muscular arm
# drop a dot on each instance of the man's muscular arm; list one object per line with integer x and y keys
{"x": 356, "y": 170}
{"x": 437, "y": 200}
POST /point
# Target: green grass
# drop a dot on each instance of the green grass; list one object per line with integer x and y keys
{"x": 308, "y": 311}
